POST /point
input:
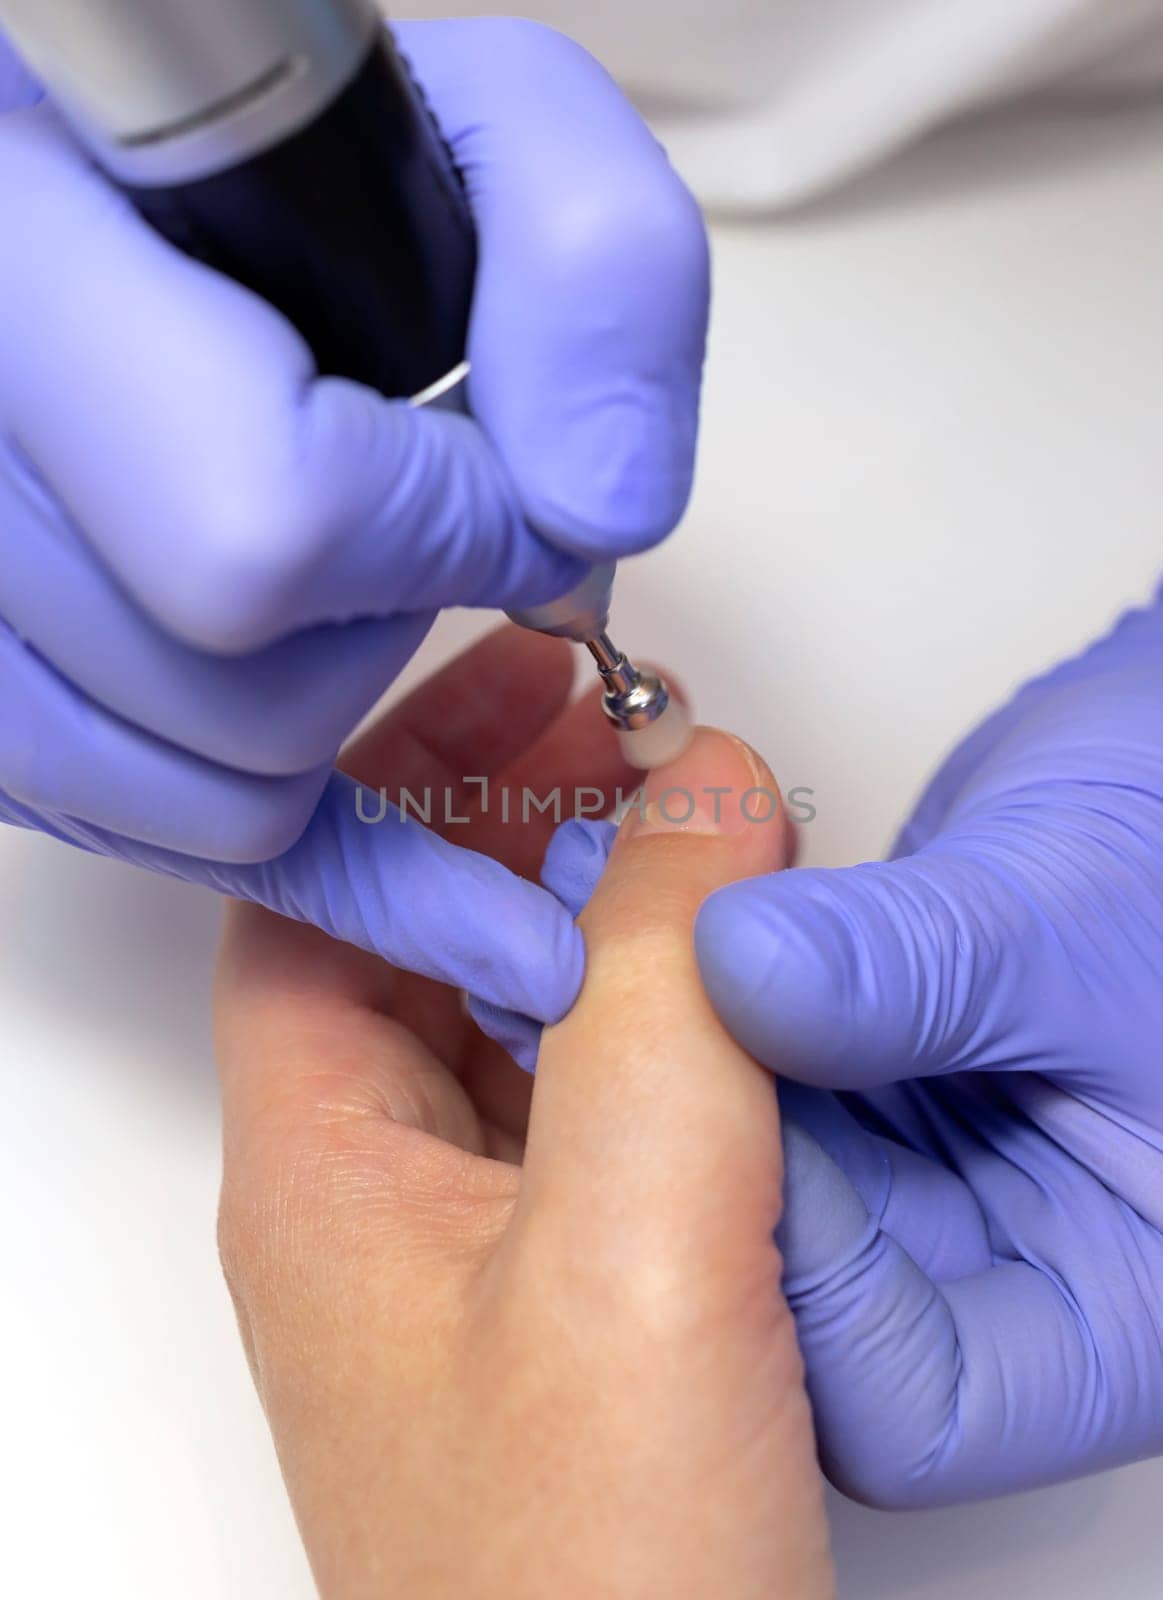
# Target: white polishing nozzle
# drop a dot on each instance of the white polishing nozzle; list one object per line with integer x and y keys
{"x": 653, "y": 726}
{"x": 660, "y": 741}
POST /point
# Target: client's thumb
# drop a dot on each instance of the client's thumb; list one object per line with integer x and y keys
{"x": 648, "y": 1119}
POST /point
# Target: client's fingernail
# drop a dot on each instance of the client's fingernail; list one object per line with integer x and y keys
{"x": 718, "y": 786}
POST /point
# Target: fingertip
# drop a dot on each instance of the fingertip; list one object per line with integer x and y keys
{"x": 546, "y": 959}
{"x": 735, "y": 958}
{"x": 519, "y": 1035}
{"x": 773, "y": 968}
{"x": 576, "y": 859}
{"x": 716, "y": 787}
{"x": 613, "y": 481}
{"x": 709, "y": 818}
{"x": 824, "y": 1219}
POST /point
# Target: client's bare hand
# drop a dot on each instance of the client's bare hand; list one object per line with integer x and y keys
{"x": 513, "y": 1354}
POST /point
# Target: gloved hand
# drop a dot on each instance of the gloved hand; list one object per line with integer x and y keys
{"x": 973, "y": 1228}
{"x": 212, "y": 562}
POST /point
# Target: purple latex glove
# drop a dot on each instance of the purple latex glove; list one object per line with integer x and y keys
{"x": 973, "y": 1228}
{"x": 976, "y": 1262}
{"x": 212, "y": 562}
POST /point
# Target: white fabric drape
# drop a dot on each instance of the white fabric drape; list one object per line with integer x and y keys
{"x": 763, "y": 103}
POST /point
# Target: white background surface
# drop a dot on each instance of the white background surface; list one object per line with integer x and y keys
{"x": 931, "y": 466}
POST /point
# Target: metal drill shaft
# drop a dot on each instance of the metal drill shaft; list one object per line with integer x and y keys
{"x": 633, "y": 699}
{"x": 618, "y": 673}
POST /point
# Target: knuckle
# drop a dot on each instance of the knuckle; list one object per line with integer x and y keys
{"x": 655, "y": 1289}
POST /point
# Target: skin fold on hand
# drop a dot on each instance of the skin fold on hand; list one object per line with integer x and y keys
{"x": 523, "y": 1337}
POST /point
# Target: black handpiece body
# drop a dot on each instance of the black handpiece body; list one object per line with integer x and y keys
{"x": 286, "y": 144}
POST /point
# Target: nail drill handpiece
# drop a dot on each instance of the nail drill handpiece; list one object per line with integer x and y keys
{"x": 286, "y": 144}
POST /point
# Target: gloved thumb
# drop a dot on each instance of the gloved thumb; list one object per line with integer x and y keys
{"x": 649, "y": 1124}
{"x": 858, "y": 976}
{"x": 877, "y": 1338}
{"x": 928, "y": 1391}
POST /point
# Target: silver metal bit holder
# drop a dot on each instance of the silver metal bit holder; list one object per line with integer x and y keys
{"x": 633, "y": 699}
